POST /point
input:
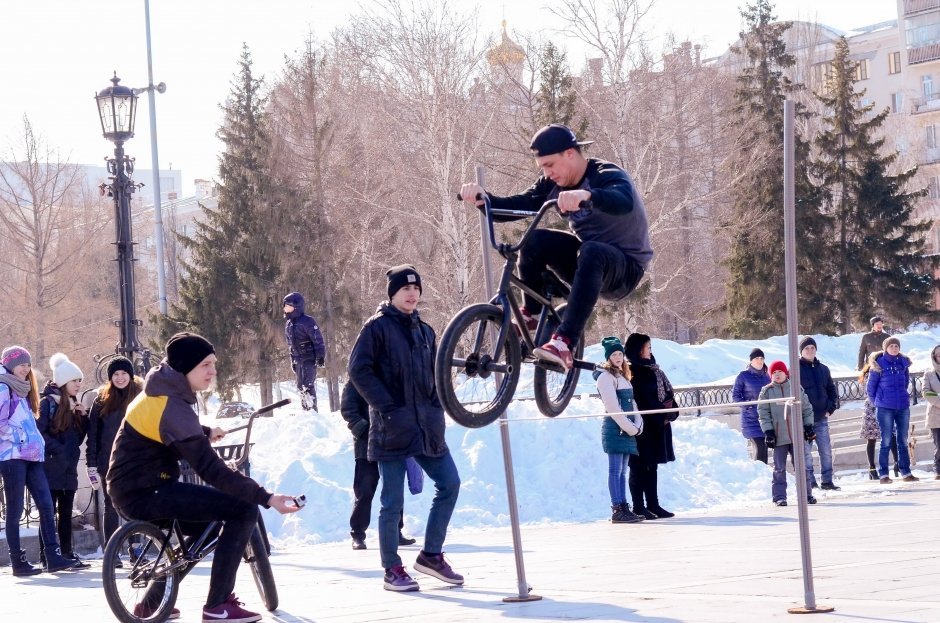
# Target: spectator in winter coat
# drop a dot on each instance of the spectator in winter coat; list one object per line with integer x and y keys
{"x": 105, "y": 418}
{"x": 747, "y": 387}
{"x": 62, "y": 423}
{"x": 307, "y": 348}
{"x": 773, "y": 421}
{"x": 22, "y": 452}
{"x": 888, "y": 380}
{"x": 872, "y": 341}
{"x": 355, "y": 410}
{"x": 609, "y": 250}
{"x": 618, "y": 431}
{"x": 932, "y": 396}
{"x": 392, "y": 366}
{"x": 816, "y": 381}
{"x": 651, "y": 390}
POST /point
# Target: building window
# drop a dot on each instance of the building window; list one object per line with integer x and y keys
{"x": 897, "y": 102}
{"x": 926, "y": 85}
{"x": 894, "y": 63}
{"x": 931, "y": 136}
{"x": 862, "y": 69}
{"x": 821, "y": 74}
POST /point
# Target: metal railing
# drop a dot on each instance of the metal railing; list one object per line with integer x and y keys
{"x": 916, "y": 6}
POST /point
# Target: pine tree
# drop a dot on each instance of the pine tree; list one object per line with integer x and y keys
{"x": 231, "y": 292}
{"x": 755, "y": 299}
{"x": 879, "y": 248}
{"x": 556, "y": 98}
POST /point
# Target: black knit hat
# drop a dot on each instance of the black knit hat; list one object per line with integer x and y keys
{"x": 185, "y": 351}
{"x": 120, "y": 363}
{"x": 755, "y": 354}
{"x": 401, "y": 276}
{"x": 807, "y": 341}
{"x": 875, "y": 319}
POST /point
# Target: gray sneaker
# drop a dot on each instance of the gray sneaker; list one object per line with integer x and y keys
{"x": 397, "y": 579}
{"x": 435, "y": 565}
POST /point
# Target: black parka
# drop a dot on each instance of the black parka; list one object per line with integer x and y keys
{"x": 355, "y": 410}
{"x": 392, "y": 367}
{"x": 63, "y": 449}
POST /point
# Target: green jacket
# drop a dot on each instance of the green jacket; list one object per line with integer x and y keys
{"x": 772, "y": 416}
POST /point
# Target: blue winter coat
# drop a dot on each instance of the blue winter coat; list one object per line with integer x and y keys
{"x": 888, "y": 379}
{"x": 304, "y": 338}
{"x": 392, "y": 366}
{"x": 816, "y": 381}
{"x": 747, "y": 387}
{"x": 63, "y": 449}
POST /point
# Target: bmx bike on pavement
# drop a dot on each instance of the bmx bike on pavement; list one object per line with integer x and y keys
{"x": 144, "y": 562}
{"x": 478, "y": 364}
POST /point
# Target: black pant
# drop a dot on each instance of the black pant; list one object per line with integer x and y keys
{"x": 62, "y": 500}
{"x": 643, "y": 483}
{"x": 935, "y": 434}
{"x": 870, "y": 451}
{"x": 365, "y": 483}
{"x": 195, "y": 506}
{"x": 592, "y": 268}
{"x": 306, "y": 372}
{"x": 111, "y": 520}
{"x": 760, "y": 449}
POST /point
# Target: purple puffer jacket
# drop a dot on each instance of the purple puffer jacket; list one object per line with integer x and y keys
{"x": 888, "y": 380}
{"x": 747, "y": 387}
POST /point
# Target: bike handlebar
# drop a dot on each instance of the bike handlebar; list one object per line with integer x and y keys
{"x": 243, "y": 457}
{"x": 490, "y": 212}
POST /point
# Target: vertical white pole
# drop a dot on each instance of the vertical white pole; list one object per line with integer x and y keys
{"x": 157, "y": 208}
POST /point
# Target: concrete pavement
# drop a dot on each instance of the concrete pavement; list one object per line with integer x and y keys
{"x": 875, "y": 554}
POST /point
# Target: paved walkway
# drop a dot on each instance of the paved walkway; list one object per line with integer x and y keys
{"x": 875, "y": 549}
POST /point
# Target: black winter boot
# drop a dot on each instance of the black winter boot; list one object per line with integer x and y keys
{"x": 873, "y": 474}
{"x": 631, "y": 516}
{"x": 55, "y": 561}
{"x": 619, "y": 516}
{"x": 643, "y": 512}
{"x": 660, "y": 512}
{"x": 21, "y": 566}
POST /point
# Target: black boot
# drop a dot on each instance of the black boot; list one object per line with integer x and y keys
{"x": 659, "y": 511}
{"x": 631, "y": 516}
{"x": 643, "y": 512}
{"x": 619, "y": 516}
{"x": 873, "y": 474}
{"x": 21, "y": 566}
{"x": 55, "y": 561}
{"x": 652, "y": 494}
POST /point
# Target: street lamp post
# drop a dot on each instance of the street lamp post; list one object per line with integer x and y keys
{"x": 117, "y": 107}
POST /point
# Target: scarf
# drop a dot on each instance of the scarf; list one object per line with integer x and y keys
{"x": 663, "y": 386}
{"x": 15, "y": 383}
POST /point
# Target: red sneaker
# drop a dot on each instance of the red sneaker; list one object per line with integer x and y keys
{"x": 531, "y": 323}
{"x": 142, "y": 611}
{"x": 230, "y": 611}
{"x": 556, "y": 351}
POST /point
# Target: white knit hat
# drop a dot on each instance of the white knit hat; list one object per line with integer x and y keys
{"x": 63, "y": 370}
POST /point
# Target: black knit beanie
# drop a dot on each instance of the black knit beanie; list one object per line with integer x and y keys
{"x": 120, "y": 363}
{"x": 401, "y": 276}
{"x": 755, "y": 354}
{"x": 807, "y": 341}
{"x": 185, "y": 351}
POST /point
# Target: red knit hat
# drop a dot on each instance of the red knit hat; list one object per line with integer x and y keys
{"x": 779, "y": 365}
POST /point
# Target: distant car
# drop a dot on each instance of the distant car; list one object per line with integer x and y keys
{"x": 234, "y": 409}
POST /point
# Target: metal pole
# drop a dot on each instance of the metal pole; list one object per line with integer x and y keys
{"x": 122, "y": 187}
{"x": 524, "y": 593}
{"x": 157, "y": 208}
{"x": 794, "y": 411}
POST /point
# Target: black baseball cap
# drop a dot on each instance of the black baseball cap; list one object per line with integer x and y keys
{"x": 554, "y": 139}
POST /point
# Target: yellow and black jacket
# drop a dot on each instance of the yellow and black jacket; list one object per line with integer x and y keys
{"x": 159, "y": 429}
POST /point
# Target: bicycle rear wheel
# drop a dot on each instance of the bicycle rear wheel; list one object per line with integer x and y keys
{"x": 256, "y": 555}
{"x": 475, "y": 384}
{"x": 138, "y": 582}
{"x": 552, "y": 385}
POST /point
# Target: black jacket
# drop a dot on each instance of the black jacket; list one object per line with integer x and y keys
{"x": 159, "y": 429}
{"x": 304, "y": 338}
{"x": 816, "y": 381}
{"x": 102, "y": 429}
{"x": 355, "y": 410}
{"x": 62, "y": 449}
{"x": 655, "y": 443}
{"x": 392, "y": 366}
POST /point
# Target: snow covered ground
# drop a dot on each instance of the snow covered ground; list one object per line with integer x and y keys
{"x": 560, "y": 469}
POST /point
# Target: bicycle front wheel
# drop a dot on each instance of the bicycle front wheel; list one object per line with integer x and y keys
{"x": 475, "y": 372}
{"x": 136, "y": 573}
{"x": 553, "y": 386}
{"x": 256, "y": 555}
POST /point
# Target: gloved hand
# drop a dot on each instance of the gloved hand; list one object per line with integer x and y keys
{"x": 93, "y": 478}
{"x": 809, "y": 432}
{"x": 320, "y": 362}
{"x": 770, "y": 438}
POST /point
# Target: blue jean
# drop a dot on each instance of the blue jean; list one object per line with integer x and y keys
{"x": 824, "y": 446}
{"x": 778, "y": 486}
{"x": 617, "y": 478}
{"x": 891, "y": 421}
{"x": 443, "y": 472}
{"x": 19, "y": 476}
